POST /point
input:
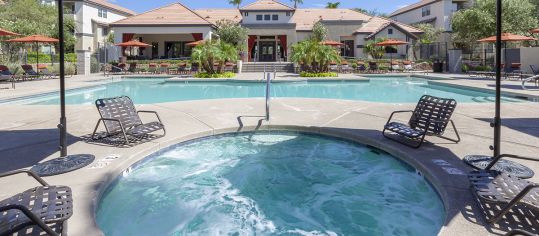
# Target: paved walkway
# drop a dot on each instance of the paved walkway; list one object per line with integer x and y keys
{"x": 29, "y": 135}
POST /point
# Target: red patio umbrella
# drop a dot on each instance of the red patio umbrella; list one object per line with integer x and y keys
{"x": 331, "y": 43}
{"x": 4, "y": 32}
{"x": 34, "y": 39}
{"x": 507, "y": 37}
{"x": 390, "y": 42}
{"x": 195, "y": 43}
{"x": 133, "y": 44}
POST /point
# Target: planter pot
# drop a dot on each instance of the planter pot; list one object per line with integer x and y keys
{"x": 438, "y": 67}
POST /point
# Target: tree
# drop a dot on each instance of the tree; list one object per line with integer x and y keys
{"x": 373, "y": 12}
{"x": 314, "y": 57}
{"x": 320, "y": 32}
{"x": 28, "y": 17}
{"x": 374, "y": 51}
{"x": 236, "y": 3}
{"x": 333, "y": 5}
{"x": 296, "y": 2}
{"x": 430, "y": 35}
{"x": 479, "y": 21}
{"x": 211, "y": 52}
{"x": 231, "y": 32}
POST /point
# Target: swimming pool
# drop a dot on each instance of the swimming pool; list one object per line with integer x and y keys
{"x": 148, "y": 91}
{"x": 279, "y": 183}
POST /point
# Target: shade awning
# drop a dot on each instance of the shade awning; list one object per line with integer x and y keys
{"x": 391, "y": 42}
{"x": 34, "y": 39}
{"x": 331, "y": 43}
{"x": 4, "y": 32}
{"x": 507, "y": 37}
{"x": 134, "y": 44}
{"x": 195, "y": 43}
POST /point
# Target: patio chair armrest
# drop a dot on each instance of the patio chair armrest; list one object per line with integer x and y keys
{"x": 499, "y": 157}
{"x": 396, "y": 112}
{"x": 31, "y": 216}
{"x": 29, "y": 172}
{"x": 154, "y": 112}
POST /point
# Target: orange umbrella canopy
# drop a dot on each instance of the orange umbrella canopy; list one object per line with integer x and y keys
{"x": 4, "y": 32}
{"x": 134, "y": 43}
{"x": 391, "y": 42}
{"x": 34, "y": 39}
{"x": 507, "y": 37}
{"x": 331, "y": 43}
{"x": 195, "y": 43}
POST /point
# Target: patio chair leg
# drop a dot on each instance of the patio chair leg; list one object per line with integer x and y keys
{"x": 456, "y": 133}
{"x": 512, "y": 203}
{"x": 95, "y": 129}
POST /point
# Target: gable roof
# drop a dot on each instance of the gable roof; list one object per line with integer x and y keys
{"x": 105, "y": 3}
{"x": 267, "y": 5}
{"x": 306, "y": 18}
{"x": 214, "y": 15}
{"x": 414, "y": 6}
{"x": 173, "y": 14}
{"x": 377, "y": 24}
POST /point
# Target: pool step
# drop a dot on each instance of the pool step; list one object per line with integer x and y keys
{"x": 287, "y": 67}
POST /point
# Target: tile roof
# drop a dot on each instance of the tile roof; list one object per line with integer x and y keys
{"x": 115, "y": 7}
{"x": 376, "y": 24}
{"x": 267, "y": 5}
{"x": 173, "y": 14}
{"x": 306, "y": 18}
{"x": 214, "y": 15}
{"x": 413, "y": 6}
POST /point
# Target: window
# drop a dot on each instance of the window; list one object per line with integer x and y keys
{"x": 246, "y": 13}
{"x": 287, "y": 13}
{"x": 102, "y": 13}
{"x": 267, "y": 17}
{"x": 389, "y": 31}
{"x": 275, "y": 17}
{"x": 258, "y": 17}
{"x": 425, "y": 11}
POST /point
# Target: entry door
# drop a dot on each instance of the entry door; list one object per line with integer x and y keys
{"x": 267, "y": 51}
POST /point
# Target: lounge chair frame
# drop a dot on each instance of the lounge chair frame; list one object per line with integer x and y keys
{"x": 507, "y": 189}
{"x": 430, "y": 117}
{"x": 57, "y": 200}
{"x": 119, "y": 116}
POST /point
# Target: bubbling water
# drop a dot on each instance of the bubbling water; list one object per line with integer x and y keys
{"x": 270, "y": 184}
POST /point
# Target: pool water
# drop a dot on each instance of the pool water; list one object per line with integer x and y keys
{"x": 270, "y": 184}
{"x": 387, "y": 90}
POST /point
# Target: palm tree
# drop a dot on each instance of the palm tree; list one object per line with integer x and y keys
{"x": 313, "y": 56}
{"x": 296, "y": 2}
{"x": 236, "y": 3}
{"x": 333, "y": 5}
{"x": 211, "y": 52}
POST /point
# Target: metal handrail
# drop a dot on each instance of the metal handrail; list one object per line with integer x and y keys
{"x": 268, "y": 86}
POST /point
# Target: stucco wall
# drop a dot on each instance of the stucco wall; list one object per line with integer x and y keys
{"x": 251, "y": 18}
{"x": 437, "y": 10}
{"x": 529, "y": 56}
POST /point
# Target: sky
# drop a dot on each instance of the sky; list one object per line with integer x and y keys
{"x": 384, "y": 6}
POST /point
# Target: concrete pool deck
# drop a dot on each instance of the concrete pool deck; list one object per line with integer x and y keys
{"x": 29, "y": 135}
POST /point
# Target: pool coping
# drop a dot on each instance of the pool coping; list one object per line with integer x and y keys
{"x": 432, "y": 177}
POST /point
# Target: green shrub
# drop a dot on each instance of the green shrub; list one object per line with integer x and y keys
{"x": 222, "y": 75}
{"x": 69, "y": 68}
{"x": 94, "y": 65}
{"x": 318, "y": 75}
{"x": 465, "y": 68}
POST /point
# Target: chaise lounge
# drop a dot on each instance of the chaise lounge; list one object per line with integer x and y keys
{"x": 47, "y": 207}
{"x": 430, "y": 117}
{"x": 119, "y": 116}
{"x": 506, "y": 191}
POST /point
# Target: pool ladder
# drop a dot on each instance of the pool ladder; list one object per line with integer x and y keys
{"x": 267, "y": 76}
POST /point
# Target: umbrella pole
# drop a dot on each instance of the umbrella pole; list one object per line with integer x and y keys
{"x": 37, "y": 59}
{"x": 497, "y": 117}
{"x": 63, "y": 122}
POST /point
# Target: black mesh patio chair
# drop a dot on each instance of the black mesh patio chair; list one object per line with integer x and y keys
{"x": 29, "y": 72}
{"x": 48, "y": 207}
{"x": 119, "y": 116}
{"x": 503, "y": 189}
{"x": 430, "y": 117}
